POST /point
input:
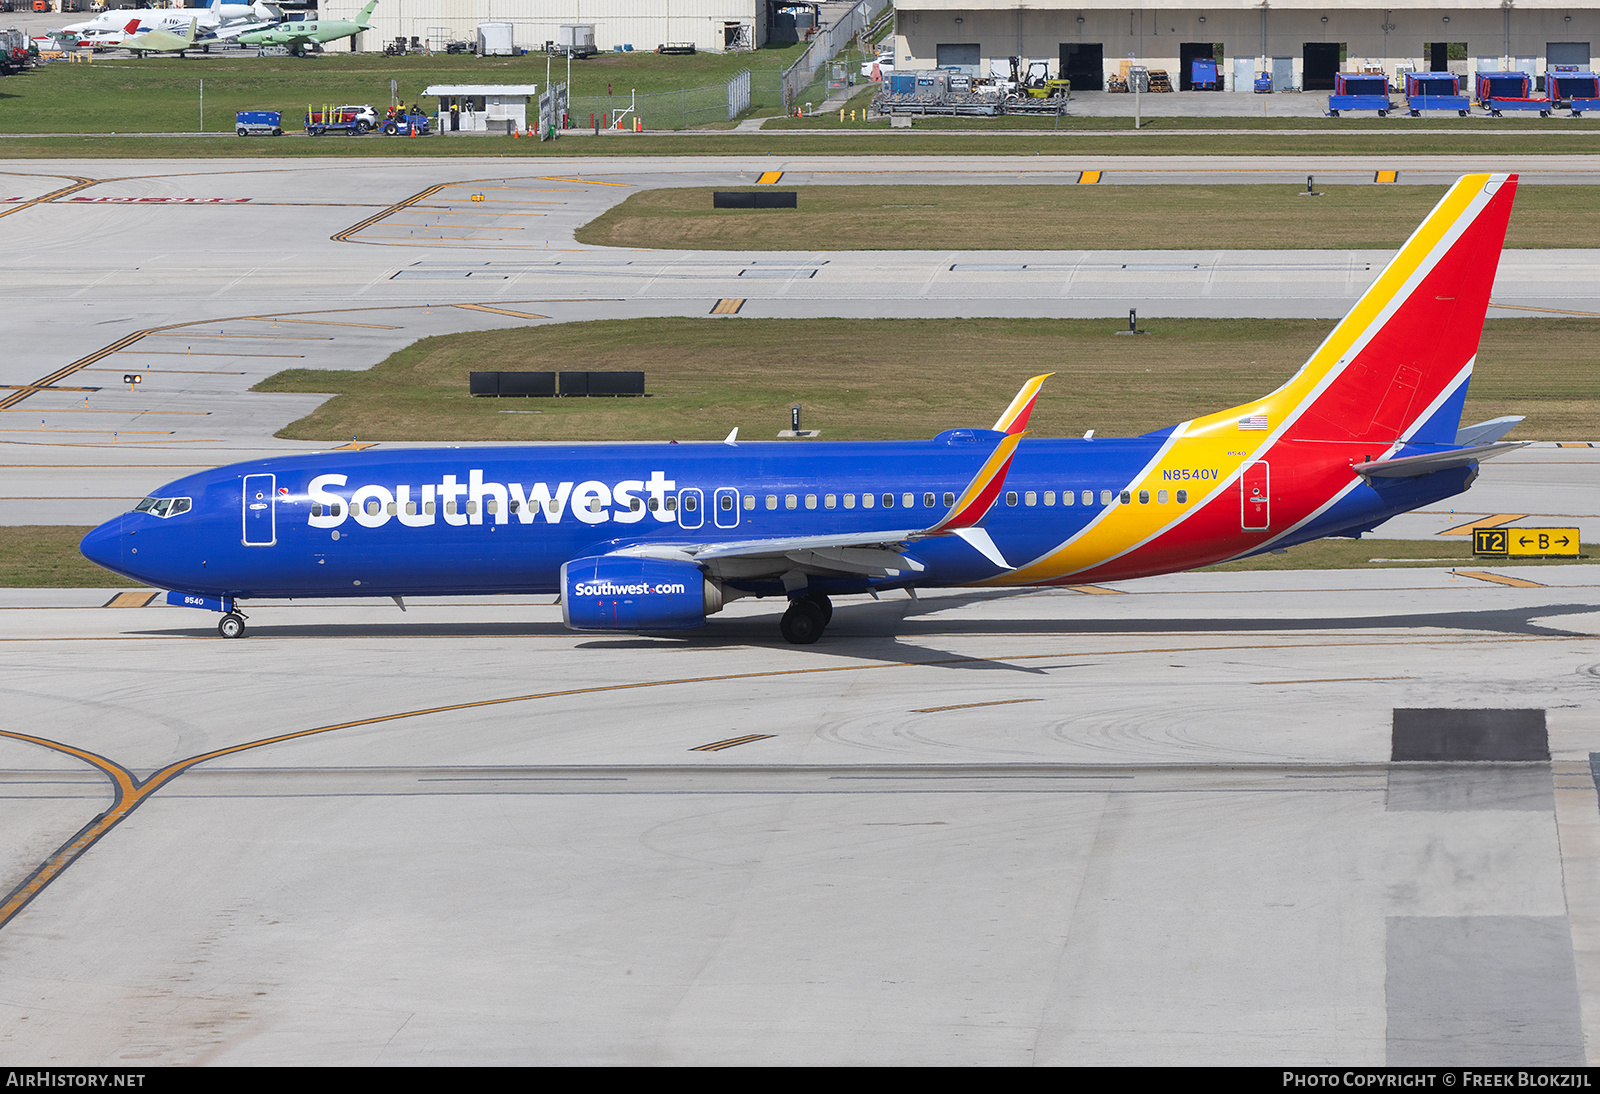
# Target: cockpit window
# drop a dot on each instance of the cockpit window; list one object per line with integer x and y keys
{"x": 164, "y": 507}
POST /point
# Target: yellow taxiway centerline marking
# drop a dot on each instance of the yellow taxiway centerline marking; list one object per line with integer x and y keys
{"x": 969, "y": 706}
{"x": 718, "y": 746}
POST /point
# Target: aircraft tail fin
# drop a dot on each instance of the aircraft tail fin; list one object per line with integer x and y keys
{"x": 1396, "y": 368}
{"x": 365, "y": 16}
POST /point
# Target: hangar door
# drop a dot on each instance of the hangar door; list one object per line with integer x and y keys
{"x": 958, "y": 55}
{"x": 1084, "y": 64}
{"x": 1188, "y": 53}
{"x": 1322, "y": 60}
{"x": 1567, "y": 53}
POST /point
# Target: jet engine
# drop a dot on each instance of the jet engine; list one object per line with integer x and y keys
{"x": 618, "y": 593}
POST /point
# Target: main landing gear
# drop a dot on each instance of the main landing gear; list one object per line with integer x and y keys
{"x": 231, "y": 626}
{"x": 806, "y": 618}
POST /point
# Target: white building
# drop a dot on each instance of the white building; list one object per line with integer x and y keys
{"x": 714, "y": 25}
{"x": 1301, "y": 42}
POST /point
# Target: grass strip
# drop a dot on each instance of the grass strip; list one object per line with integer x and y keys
{"x": 886, "y": 379}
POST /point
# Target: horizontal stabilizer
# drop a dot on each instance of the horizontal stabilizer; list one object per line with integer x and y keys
{"x": 1429, "y": 462}
{"x": 1487, "y": 432}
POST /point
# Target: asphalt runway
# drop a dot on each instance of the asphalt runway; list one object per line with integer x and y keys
{"x": 1150, "y": 823}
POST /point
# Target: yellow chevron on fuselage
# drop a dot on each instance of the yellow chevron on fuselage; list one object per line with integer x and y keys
{"x": 1215, "y": 447}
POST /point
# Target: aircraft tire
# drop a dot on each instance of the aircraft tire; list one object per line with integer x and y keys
{"x": 803, "y": 622}
{"x": 231, "y": 626}
{"x": 824, "y": 604}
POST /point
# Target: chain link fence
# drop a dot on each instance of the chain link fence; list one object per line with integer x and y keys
{"x": 751, "y": 89}
{"x": 803, "y": 81}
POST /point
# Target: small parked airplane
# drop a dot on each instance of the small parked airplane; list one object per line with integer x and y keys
{"x": 156, "y": 40}
{"x": 655, "y": 537}
{"x": 311, "y": 34}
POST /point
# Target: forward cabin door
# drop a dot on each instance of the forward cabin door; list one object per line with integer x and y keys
{"x": 1255, "y": 503}
{"x": 260, "y": 510}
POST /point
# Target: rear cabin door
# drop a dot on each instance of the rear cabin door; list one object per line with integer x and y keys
{"x": 260, "y": 510}
{"x": 1255, "y": 502}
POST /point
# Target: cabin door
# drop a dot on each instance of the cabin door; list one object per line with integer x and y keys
{"x": 260, "y": 510}
{"x": 690, "y": 509}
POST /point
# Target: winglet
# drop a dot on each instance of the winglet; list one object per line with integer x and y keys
{"x": 1015, "y": 418}
{"x": 982, "y": 491}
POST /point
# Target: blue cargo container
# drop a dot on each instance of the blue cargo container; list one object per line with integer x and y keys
{"x": 260, "y": 122}
{"x": 1500, "y": 91}
{"x": 1435, "y": 91}
{"x": 1203, "y": 74}
{"x": 1359, "y": 91}
{"x": 1578, "y": 90}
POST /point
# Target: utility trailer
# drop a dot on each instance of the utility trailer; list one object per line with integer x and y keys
{"x": 1578, "y": 91}
{"x": 348, "y": 122}
{"x": 1502, "y": 91}
{"x": 1359, "y": 91}
{"x": 1435, "y": 91}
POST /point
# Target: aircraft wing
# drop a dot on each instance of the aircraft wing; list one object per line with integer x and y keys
{"x": 1429, "y": 462}
{"x": 237, "y": 29}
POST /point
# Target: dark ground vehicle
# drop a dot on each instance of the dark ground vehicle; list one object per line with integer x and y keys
{"x": 406, "y": 125}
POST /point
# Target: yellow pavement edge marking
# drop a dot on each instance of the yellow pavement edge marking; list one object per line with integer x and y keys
{"x": 1386, "y": 176}
{"x": 769, "y": 177}
{"x": 1482, "y": 522}
{"x": 1096, "y": 590}
{"x": 969, "y": 706}
{"x": 138, "y": 599}
{"x": 1551, "y": 311}
{"x": 1089, "y": 178}
{"x": 1499, "y": 579}
{"x": 728, "y": 306}
{"x": 500, "y": 311}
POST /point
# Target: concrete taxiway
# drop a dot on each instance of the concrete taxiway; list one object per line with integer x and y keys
{"x": 1155, "y": 822}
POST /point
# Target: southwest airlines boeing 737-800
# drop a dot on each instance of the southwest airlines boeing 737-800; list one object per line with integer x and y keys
{"x": 655, "y": 537}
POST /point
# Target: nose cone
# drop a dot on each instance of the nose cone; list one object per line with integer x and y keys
{"x": 103, "y": 546}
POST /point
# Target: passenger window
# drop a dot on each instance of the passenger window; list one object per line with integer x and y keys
{"x": 949, "y": 498}
{"x": 908, "y": 500}
{"x": 1161, "y": 497}
{"x": 1088, "y": 497}
{"x": 427, "y": 507}
{"x": 867, "y": 500}
{"x": 372, "y": 507}
{"x": 390, "y": 508}
{"x": 1030, "y": 498}
{"x": 1011, "y": 497}
{"x": 655, "y": 504}
{"x": 849, "y": 501}
{"x": 1049, "y": 497}
{"x": 791, "y": 501}
{"x": 1067, "y": 497}
{"x": 672, "y": 505}
{"x": 634, "y": 505}
{"x": 1125, "y": 497}
{"x": 830, "y": 501}
{"x": 811, "y": 501}
{"x": 888, "y": 501}
{"x": 594, "y": 505}
{"x": 1183, "y": 497}
{"x": 472, "y": 509}
{"x": 726, "y": 502}
{"x": 411, "y": 507}
{"x": 690, "y": 503}
{"x": 749, "y": 501}
{"x": 927, "y": 500}
{"x": 1105, "y": 497}
{"x": 316, "y": 508}
{"x": 772, "y": 501}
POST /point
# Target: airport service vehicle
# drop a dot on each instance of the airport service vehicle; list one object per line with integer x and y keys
{"x": 263, "y": 123}
{"x": 656, "y": 537}
{"x": 1435, "y": 91}
{"x": 406, "y": 125}
{"x": 1359, "y": 91}
{"x": 350, "y": 120}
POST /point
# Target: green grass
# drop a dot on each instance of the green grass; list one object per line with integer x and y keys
{"x": 162, "y": 94}
{"x": 46, "y": 557}
{"x": 891, "y": 378}
{"x": 1103, "y": 217}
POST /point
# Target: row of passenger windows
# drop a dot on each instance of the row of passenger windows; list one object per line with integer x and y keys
{"x": 908, "y": 500}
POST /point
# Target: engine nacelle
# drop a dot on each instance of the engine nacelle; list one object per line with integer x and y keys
{"x": 617, "y": 593}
